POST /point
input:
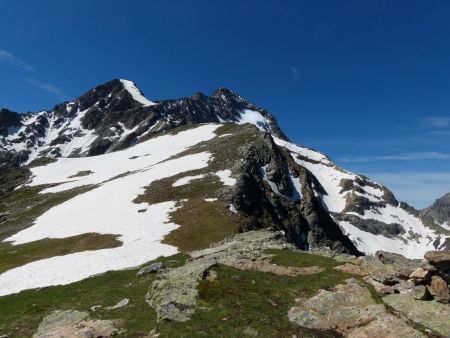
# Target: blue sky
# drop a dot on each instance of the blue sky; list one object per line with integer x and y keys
{"x": 366, "y": 82}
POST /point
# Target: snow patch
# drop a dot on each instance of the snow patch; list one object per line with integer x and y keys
{"x": 187, "y": 179}
{"x": 233, "y": 209}
{"x": 254, "y": 117}
{"x": 136, "y": 93}
{"x": 225, "y": 177}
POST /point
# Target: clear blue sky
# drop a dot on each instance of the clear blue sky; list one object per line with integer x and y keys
{"x": 366, "y": 82}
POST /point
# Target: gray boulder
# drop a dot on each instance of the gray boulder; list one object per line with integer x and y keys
{"x": 152, "y": 268}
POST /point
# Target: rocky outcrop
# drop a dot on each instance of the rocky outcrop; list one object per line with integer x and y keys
{"x": 72, "y": 323}
{"x": 439, "y": 211}
{"x": 350, "y": 309}
{"x": 152, "y": 268}
{"x": 438, "y": 288}
{"x": 439, "y": 259}
{"x": 267, "y": 197}
{"x": 174, "y": 294}
{"x": 9, "y": 121}
{"x": 431, "y": 314}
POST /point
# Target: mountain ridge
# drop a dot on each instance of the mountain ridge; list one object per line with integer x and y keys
{"x": 276, "y": 184}
{"x": 108, "y": 117}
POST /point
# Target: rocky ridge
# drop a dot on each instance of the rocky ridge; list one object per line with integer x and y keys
{"x": 439, "y": 211}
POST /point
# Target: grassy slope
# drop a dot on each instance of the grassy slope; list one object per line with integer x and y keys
{"x": 202, "y": 223}
{"x": 236, "y": 302}
{"x": 14, "y": 256}
{"x": 239, "y": 300}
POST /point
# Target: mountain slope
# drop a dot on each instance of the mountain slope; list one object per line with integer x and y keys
{"x": 176, "y": 175}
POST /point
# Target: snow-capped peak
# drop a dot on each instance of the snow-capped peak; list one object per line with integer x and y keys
{"x": 137, "y": 95}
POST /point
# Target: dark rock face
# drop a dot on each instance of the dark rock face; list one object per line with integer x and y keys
{"x": 304, "y": 221}
{"x": 8, "y": 120}
{"x": 439, "y": 211}
{"x": 375, "y": 227}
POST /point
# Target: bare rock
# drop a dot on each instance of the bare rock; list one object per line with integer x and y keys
{"x": 439, "y": 259}
{"x": 431, "y": 314}
{"x": 439, "y": 289}
{"x": 386, "y": 326}
{"x": 404, "y": 286}
{"x": 72, "y": 323}
{"x": 421, "y": 275}
{"x": 420, "y": 292}
{"x": 350, "y": 310}
{"x": 152, "y": 268}
{"x": 175, "y": 294}
{"x": 264, "y": 266}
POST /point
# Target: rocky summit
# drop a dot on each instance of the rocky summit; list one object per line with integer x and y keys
{"x": 125, "y": 216}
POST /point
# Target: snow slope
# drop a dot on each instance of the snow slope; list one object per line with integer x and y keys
{"x": 136, "y": 93}
{"x": 140, "y": 232}
{"x": 413, "y": 242}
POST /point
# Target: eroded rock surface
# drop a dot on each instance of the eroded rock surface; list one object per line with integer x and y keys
{"x": 174, "y": 295}
{"x": 350, "y": 310}
{"x": 431, "y": 314}
{"x": 72, "y": 323}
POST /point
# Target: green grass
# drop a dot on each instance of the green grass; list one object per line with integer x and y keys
{"x": 236, "y": 302}
{"x": 301, "y": 259}
{"x": 239, "y": 300}
{"x": 14, "y": 256}
{"x": 201, "y": 222}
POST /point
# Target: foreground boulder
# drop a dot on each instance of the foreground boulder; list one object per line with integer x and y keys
{"x": 350, "y": 310}
{"x": 439, "y": 259}
{"x": 431, "y": 314}
{"x": 439, "y": 289}
{"x": 72, "y": 323}
{"x": 174, "y": 294}
{"x": 152, "y": 268}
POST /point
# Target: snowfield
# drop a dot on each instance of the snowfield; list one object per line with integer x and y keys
{"x": 107, "y": 209}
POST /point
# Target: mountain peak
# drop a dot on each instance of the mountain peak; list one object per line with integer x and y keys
{"x": 224, "y": 93}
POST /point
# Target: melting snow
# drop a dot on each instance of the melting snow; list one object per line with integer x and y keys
{"x": 445, "y": 225}
{"x": 370, "y": 243}
{"x": 186, "y": 180}
{"x": 225, "y": 177}
{"x": 233, "y": 209}
{"x": 107, "y": 209}
{"x": 210, "y": 199}
{"x": 254, "y": 117}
